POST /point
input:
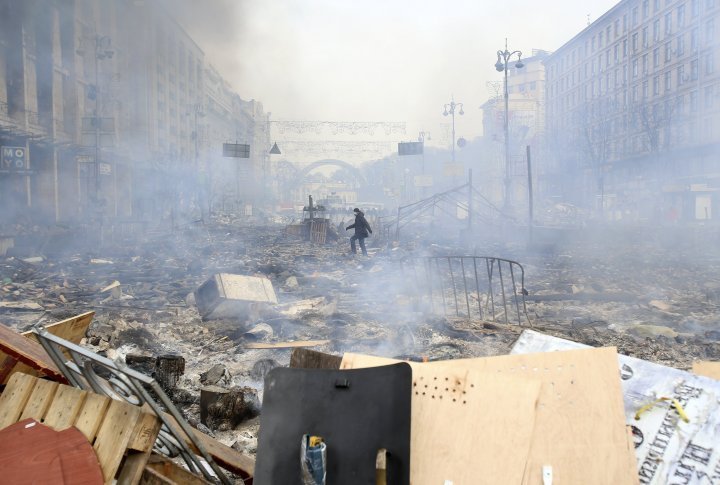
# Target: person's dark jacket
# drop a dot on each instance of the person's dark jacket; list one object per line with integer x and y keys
{"x": 361, "y": 225}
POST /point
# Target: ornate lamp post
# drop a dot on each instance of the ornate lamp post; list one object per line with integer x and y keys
{"x": 503, "y": 58}
{"x": 449, "y": 109}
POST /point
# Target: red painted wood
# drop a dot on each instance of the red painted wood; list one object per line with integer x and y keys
{"x": 32, "y": 453}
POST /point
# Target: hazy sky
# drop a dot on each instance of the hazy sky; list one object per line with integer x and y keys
{"x": 375, "y": 60}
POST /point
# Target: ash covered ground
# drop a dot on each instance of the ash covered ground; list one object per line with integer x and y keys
{"x": 650, "y": 302}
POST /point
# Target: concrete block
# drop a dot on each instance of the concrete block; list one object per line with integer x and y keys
{"x": 233, "y": 296}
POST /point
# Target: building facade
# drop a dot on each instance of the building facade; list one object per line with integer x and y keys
{"x": 633, "y": 111}
{"x": 105, "y": 114}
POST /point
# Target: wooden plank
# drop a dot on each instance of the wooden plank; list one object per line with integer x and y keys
{"x": 302, "y": 358}
{"x": 146, "y": 430}
{"x": 114, "y": 435}
{"x": 91, "y": 415}
{"x": 40, "y": 400}
{"x": 580, "y": 422}
{"x": 28, "y": 352}
{"x": 285, "y": 345}
{"x": 13, "y": 399}
{"x": 64, "y": 409}
{"x": 224, "y": 456}
{"x": 71, "y": 329}
{"x": 165, "y": 471}
{"x": 707, "y": 368}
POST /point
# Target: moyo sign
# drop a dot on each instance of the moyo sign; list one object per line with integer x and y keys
{"x": 13, "y": 158}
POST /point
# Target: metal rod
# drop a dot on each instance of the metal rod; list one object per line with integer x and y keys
{"x": 452, "y": 279}
{"x": 442, "y": 289}
{"x": 502, "y": 290}
{"x": 477, "y": 288}
{"x": 517, "y": 305}
{"x": 467, "y": 299}
{"x": 490, "y": 265}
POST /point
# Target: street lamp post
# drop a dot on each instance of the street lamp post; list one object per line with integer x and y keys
{"x": 449, "y": 109}
{"x": 503, "y": 58}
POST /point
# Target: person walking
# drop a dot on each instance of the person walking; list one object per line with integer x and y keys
{"x": 362, "y": 230}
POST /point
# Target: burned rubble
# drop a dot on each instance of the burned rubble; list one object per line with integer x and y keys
{"x": 145, "y": 295}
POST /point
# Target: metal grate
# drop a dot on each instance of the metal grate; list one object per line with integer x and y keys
{"x": 474, "y": 287}
{"x": 89, "y": 371}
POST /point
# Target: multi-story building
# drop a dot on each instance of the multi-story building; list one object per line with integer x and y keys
{"x": 526, "y": 125}
{"x": 105, "y": 112}
{"x": 633, "y": 110}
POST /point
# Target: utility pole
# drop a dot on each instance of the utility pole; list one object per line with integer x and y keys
{"x": 530, "y": 195}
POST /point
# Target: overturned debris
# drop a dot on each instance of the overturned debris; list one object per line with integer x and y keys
{"x": 234, "y": 296}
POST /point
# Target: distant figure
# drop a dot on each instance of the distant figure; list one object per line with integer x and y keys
{"x": 362, "y": 228}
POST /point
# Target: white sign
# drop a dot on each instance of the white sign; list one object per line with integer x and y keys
{"x": 13, "y": 158}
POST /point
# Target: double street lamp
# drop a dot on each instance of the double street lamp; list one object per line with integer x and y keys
{"x": 449, "y": 109}
{"x": 503, "y": 58}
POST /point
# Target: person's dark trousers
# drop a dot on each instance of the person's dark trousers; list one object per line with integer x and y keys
{"x": 362, "y": 244}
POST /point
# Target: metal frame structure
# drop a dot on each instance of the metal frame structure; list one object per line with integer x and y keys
{"x": 450, "y": 281}
{"x": 88, "y": 371}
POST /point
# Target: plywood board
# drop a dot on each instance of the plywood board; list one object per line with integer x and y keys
{"x": 28, "y": 352}
{"x": 579, "y": 424}
{"x": 65, "y": 407}
{"x": 456, "y": 413}
{"x": 668, "y": 449}
{"x": 707, "y": 369}
{"x": 71, "y": 329}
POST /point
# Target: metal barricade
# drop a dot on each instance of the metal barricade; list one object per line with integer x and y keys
{"x": 474, "y": 287}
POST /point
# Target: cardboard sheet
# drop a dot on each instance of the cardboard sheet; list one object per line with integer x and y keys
{"x": 668, "y": 449}
{"x": 579, "y": 423}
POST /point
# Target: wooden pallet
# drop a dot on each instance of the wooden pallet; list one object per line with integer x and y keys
{"x": 118, "y": 431}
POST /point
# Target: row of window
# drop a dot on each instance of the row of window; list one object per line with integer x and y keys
{"x": 678, "y": 14}
{"x": 640, "y": 95}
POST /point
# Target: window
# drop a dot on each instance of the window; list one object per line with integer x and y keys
{"x": 635, "y": 42}
{"x": 616, "y": 27}
{"x": 656, "y": 85}
{"x": 709, "y": 30}
{"x": 625, "y": 23}
{"x": 645, "y": 37}
{"x": 694, "y": 70}
{"x": 607, "y": 58}
{"x": 624, "y": 48}
{"x": 616, "y": 53}
{"x": 600, "y": 40}
{"x": 681, "y": 15}
{"x": 668, "y": 80}
{"x": 694, "y": 8}
{"x": 668, "y": 23}
{"x": 645, "y": 63}
{"x": 635, "y": 68}
{"x": 694, "y": 39}
{"x": 668, "y": 52}
{"x": 709, "y": 4}
{"x": 656, "y": 30}
{"x": 645, "y": 9}
{"x": 592, "y": 44}
{"x": 693, "y": 101}
{"x": 656, "y": 57}
{"x": 634, "y": 16}
{"x": 680, "y": 45}
{"x": 656, "y": 5}
{"x": 709, "y": 63}
{"x": 709, "y": 97}
{"x": 645, "y": 89}
{"x": 680, "y": 75}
